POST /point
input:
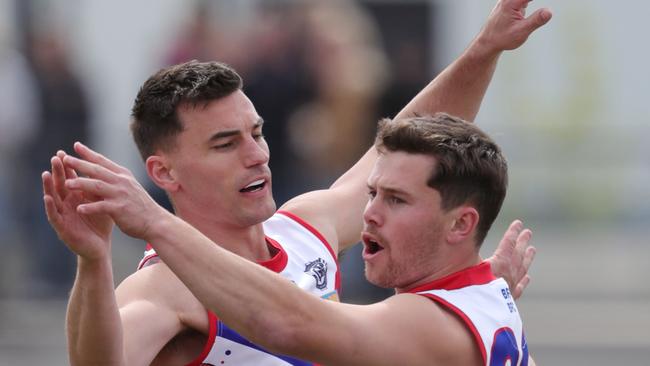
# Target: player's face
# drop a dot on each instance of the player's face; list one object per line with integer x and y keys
{"x": 403, "y": 220}
{"x": 221, "y": 163}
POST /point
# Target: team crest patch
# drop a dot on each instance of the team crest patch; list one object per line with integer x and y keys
{"x": 318, "y": 270}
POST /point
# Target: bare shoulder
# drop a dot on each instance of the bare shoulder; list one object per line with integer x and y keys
{"x": 436, "y": 328}
{"x": 163, "y": 323}
{"x": 159, "y": 290}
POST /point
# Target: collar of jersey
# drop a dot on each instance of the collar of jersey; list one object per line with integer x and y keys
{"x": 476, "y": 275}
{"x": 279, "y": 260}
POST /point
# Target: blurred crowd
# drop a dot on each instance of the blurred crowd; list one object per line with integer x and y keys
{"x": 320, "y": 74}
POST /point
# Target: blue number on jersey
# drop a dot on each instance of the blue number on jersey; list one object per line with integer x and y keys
{"x": 505, "y": 348}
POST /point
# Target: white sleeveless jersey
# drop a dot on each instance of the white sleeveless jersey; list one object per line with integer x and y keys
{"x": 303, "y": 257}
{"x": 486, "y": 307}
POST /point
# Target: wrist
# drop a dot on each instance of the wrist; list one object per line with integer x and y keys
{"x": 100, "y": 264}
{"x": 484, "y": 49}
{"x": 159, "y": 225}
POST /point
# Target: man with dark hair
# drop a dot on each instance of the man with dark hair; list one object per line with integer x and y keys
{"x": 156, "y": 117}
{"x": 423, "y": 226}
{"x": 208, "y": 153}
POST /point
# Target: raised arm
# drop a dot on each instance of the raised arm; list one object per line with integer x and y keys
{"x": 105, "y": 328}
{"x": 93, "y": 323}
{"x": 458, "y": 90}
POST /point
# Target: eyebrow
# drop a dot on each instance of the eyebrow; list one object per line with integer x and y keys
{"x": 392, "y": 191}
{"x": 229, "y": 133}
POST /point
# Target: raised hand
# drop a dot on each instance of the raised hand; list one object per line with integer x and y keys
{"x": 508, "y": 27}
{"x": 88, "y": 236}
{"x": 513, "y": 257}
{"x": 118, "y": 193}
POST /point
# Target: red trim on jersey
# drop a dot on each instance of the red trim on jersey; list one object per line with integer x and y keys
{"x": 476, "y": 275}
{"x": 320, "y": 236}
{"x": 144, "y": 260}
{"x": 212, "y": 335}
{"x": 466, "y": 320}
{"x": 276, "y": 264}
{"x": 279, "y": 260}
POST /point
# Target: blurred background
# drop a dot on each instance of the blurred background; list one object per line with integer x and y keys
{"x": 570, "y": 108}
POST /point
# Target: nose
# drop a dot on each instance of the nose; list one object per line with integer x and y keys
{"x": 256, "y": 152}
{"x": 372, "y": 213}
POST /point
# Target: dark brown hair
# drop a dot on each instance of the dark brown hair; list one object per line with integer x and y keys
{"x": 470, "y": 168}
{"x": 155, "y": 112}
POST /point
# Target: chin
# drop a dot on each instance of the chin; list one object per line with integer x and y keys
{"x": 379, "y": 279}
{"x": 261, "y": 212}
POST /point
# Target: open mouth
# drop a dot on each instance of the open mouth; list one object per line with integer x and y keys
{"x": 254, "y": 186}
{"x": 371, "y": 246}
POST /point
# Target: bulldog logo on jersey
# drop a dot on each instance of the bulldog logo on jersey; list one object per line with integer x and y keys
{"x": 318, "y": 270}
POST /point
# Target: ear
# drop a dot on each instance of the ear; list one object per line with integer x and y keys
{"x": 463, "y": 225}
{"x": 161, "y": 172}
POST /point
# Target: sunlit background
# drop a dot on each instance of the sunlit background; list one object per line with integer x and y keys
{"x": 571, "y": 109}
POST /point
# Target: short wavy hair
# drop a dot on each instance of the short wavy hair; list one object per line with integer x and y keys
{"x": 470, "y": 167}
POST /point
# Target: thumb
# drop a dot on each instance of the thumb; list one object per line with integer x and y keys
{"x": 537, "y": 19}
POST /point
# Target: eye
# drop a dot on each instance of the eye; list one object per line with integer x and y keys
{"x": 372, "y": 194}
{"x": 224, "y": 146}
{"x": 393, "y": 200}
{"x": 258, "y": 136}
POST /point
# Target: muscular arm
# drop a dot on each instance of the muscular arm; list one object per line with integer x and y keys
{"x": 105, "y": 327}
{"x": 129, "y": 325}
{"x": 458, "y": 90}
{"x": 93, "y": 321}
{"x": 274, "y": 313}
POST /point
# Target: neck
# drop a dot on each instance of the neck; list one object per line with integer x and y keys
{"x": 246, "y": 241}
{"x": 447, "y": 263}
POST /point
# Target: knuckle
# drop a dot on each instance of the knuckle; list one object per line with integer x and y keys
{"x": 99, "y": 185}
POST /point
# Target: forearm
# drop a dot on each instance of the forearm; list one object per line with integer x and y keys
{"x": 260, "y": 304}
{"x": 457, "y": 90}
{"x": 94, "y": 329}
{"x": 460, "y": 88}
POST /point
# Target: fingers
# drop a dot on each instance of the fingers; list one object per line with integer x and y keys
{"x": 91, "y": 187}
{"x": 89, "y": 168}
{"x": 522, "y": 240}
{"x": 536, "y": 20}
{"x": 48, "y": 185}
{"x": 521, "y": 286}
{"x": 509, "y": 241}
{"x": 69, "y": 172}
{"x": 51, "y": 211}
{"x": 529, "y": 256}
{"x": 513, "y": 232}
{"x": 51, "y": 207}
{"x": 94, "y": 157}
{"x": 58, "y": 178}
